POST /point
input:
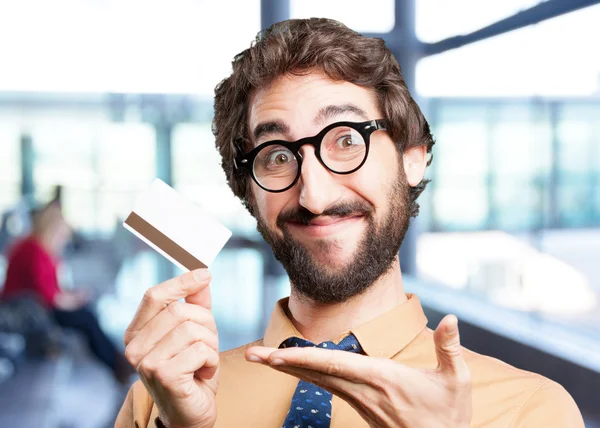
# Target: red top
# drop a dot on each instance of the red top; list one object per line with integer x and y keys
{"x": 31, "y": 268}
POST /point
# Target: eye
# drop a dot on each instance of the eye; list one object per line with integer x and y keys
{"x": 346, "y": 142}
{"x": 279, "y": 157}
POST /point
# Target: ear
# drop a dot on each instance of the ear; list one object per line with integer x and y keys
{"x": 415, "y": 162}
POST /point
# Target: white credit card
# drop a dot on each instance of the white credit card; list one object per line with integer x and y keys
{"x": 176, "y": 228}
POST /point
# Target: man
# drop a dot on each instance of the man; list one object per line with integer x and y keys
{"x": 33, "y": 272}
{"x": 322, "y": 142}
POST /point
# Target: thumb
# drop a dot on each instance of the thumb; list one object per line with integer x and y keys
{"x": 201, "y": 297}
{"x": 447, "y": 345}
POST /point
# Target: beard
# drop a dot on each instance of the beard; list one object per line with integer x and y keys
{"x": 373, "y": 257}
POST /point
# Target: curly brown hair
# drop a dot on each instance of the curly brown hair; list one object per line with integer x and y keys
{"x": 297, "y": 47}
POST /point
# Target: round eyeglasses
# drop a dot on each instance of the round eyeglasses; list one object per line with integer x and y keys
{"x": 341, "y": 147}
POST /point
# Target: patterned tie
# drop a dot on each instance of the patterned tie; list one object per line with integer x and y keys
{"x": 311, "y": 405}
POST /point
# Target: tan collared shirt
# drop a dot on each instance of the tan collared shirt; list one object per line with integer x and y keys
{"x": 252, "y": 395}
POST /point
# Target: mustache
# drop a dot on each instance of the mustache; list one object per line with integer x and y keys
{"x": 344, "y": 209}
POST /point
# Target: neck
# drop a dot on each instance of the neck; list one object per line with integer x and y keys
{"x": 45, "y": 241}
{"x": 319, "y": 322}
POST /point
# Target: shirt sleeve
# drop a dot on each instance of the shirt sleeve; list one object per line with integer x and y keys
{"x": 136, "y": 409}
{"x": 549, "y": 406}
{"x": 44, "y": 277}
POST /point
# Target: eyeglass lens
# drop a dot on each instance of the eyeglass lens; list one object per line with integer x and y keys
{"x": 342, "y": 150}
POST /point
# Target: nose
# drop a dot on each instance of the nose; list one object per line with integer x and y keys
{"x": 318, "y": 189}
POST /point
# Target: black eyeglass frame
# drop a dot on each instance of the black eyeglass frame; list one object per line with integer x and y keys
{"x": 365, "y": 129}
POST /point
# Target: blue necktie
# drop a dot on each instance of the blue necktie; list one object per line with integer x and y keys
{"x": 311, "y": 405}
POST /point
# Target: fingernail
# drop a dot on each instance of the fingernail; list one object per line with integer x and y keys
{"x": 254, "y": 359}
{"x": 201, "y": 274}
{"x": 276, "y": 362}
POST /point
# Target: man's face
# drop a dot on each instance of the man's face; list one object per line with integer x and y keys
{"x": 334, "y": 234}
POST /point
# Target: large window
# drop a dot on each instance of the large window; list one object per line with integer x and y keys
{"x": 197, "y": 174}
{"x": 237, "y": 286}
{"x": 10, "y": 167}
{"x": 102, "y": 166}
{"x": 548, "y": 59}
{"x": 122, "y": 46}
{"x": 578, "y": 158}
{"x": 378, "y": 18}
{"x": 514, "y": 165}
{"x": 513, "y": 205}
{"x": 439, "y": 19}
{"x": 520, "y": 181}
{"x": 460, "y": 195}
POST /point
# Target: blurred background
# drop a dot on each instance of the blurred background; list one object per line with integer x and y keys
{"x": 102, "y": 96}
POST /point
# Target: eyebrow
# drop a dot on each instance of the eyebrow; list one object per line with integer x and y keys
{"x": 271, "y": 127}
{"x": 336, "y": 110}
{"x": 278, "y": 126}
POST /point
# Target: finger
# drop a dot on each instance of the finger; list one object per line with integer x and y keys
{"x": 190, "y": 360}
{"x": 343, "y": 388}
{"x": 201, "y": 298}
{"x": 174, "y": 343}
{"x": 174, "y": 314}
{"x": 158, "y": 297}
{"x": 447, "y": 345}
{"x": 196, "y": 358}
{"x": 347, "y": 365}
{"x": 259, "y": 354}
{"x": 171, "y": 343}
{"x": 352, "y": 393}
{"x": 181, "y": 337}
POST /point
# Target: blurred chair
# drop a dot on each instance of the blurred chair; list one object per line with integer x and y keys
{"x": 15, "y": 223}
{"x": 26, "y": 317}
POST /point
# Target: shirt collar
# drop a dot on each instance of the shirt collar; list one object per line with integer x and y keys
{"x": 383, "y": 336}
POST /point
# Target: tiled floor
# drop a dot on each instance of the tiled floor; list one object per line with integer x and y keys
{"x": 73, "y": 391}
{"x": 90, "y": 398}
{"x": 26, "y": 399}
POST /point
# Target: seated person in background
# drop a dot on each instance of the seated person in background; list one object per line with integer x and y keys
{"x": 32, "y": 270}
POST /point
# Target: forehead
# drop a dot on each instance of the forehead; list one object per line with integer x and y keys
{"x": 298, "y": 99}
